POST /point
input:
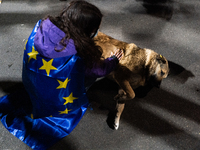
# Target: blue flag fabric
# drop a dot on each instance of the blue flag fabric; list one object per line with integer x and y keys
{"x": 52, "y": 104}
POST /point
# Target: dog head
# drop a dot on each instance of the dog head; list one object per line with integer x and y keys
{"x": 158, "y": 70}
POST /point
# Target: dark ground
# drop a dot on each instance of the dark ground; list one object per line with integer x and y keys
{"x": 166, "y": 119}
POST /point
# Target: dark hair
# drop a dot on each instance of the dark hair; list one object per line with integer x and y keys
{"x": 79, "y": 21}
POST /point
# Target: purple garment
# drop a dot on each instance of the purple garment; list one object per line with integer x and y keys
{"x": 48, "y": 38}
{"x": 103, "y": 69}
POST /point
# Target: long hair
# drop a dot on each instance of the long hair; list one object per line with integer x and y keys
{"x": 79, "y": 21}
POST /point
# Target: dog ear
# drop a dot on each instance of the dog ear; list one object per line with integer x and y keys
{"x": 161, "y": 59}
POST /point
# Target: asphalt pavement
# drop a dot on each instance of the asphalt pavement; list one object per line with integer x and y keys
{"x": 165, "y": 119}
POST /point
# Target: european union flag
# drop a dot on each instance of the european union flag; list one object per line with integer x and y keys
{"x": 52, "y": 104}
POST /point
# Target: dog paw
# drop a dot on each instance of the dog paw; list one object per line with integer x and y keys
{"x": 113, "y": 126}
{"x": 116, "y": 126}
{"x": 111, "y": 121}
{"x": 117, "y": 97}
{"x": 120, "y": 97}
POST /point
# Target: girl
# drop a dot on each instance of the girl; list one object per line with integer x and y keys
{"x": 72, "y": 33}
{"x": 60, "y": 60}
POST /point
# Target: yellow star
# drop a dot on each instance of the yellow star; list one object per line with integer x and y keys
{"x": 32, "y": 116}
{"x": 25, "y": 45}
{"x": 63, "y": 84}
{"x": 69, "y": 99}
{"x": 65, "y": 111}
{"x": 47, "y": 65}
{"x": 32, "y": 54}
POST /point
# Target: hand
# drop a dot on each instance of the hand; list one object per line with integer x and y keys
{"x": 118, "y": 53}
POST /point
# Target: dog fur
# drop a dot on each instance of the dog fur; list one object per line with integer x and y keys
{"x": 137, "y": 67}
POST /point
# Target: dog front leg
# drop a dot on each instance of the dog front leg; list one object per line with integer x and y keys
{"x": 119, "y": 109}
{"x": 126, "y": 93}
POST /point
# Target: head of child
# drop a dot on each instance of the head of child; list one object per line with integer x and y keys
{"x": 82, "y": 16}
{"x": 80, "y": 21}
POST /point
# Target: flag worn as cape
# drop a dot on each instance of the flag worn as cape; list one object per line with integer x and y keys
{"x": 52, "y": 104}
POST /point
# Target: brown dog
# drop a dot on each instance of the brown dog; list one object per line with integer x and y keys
{"x": 137, "y": 67}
